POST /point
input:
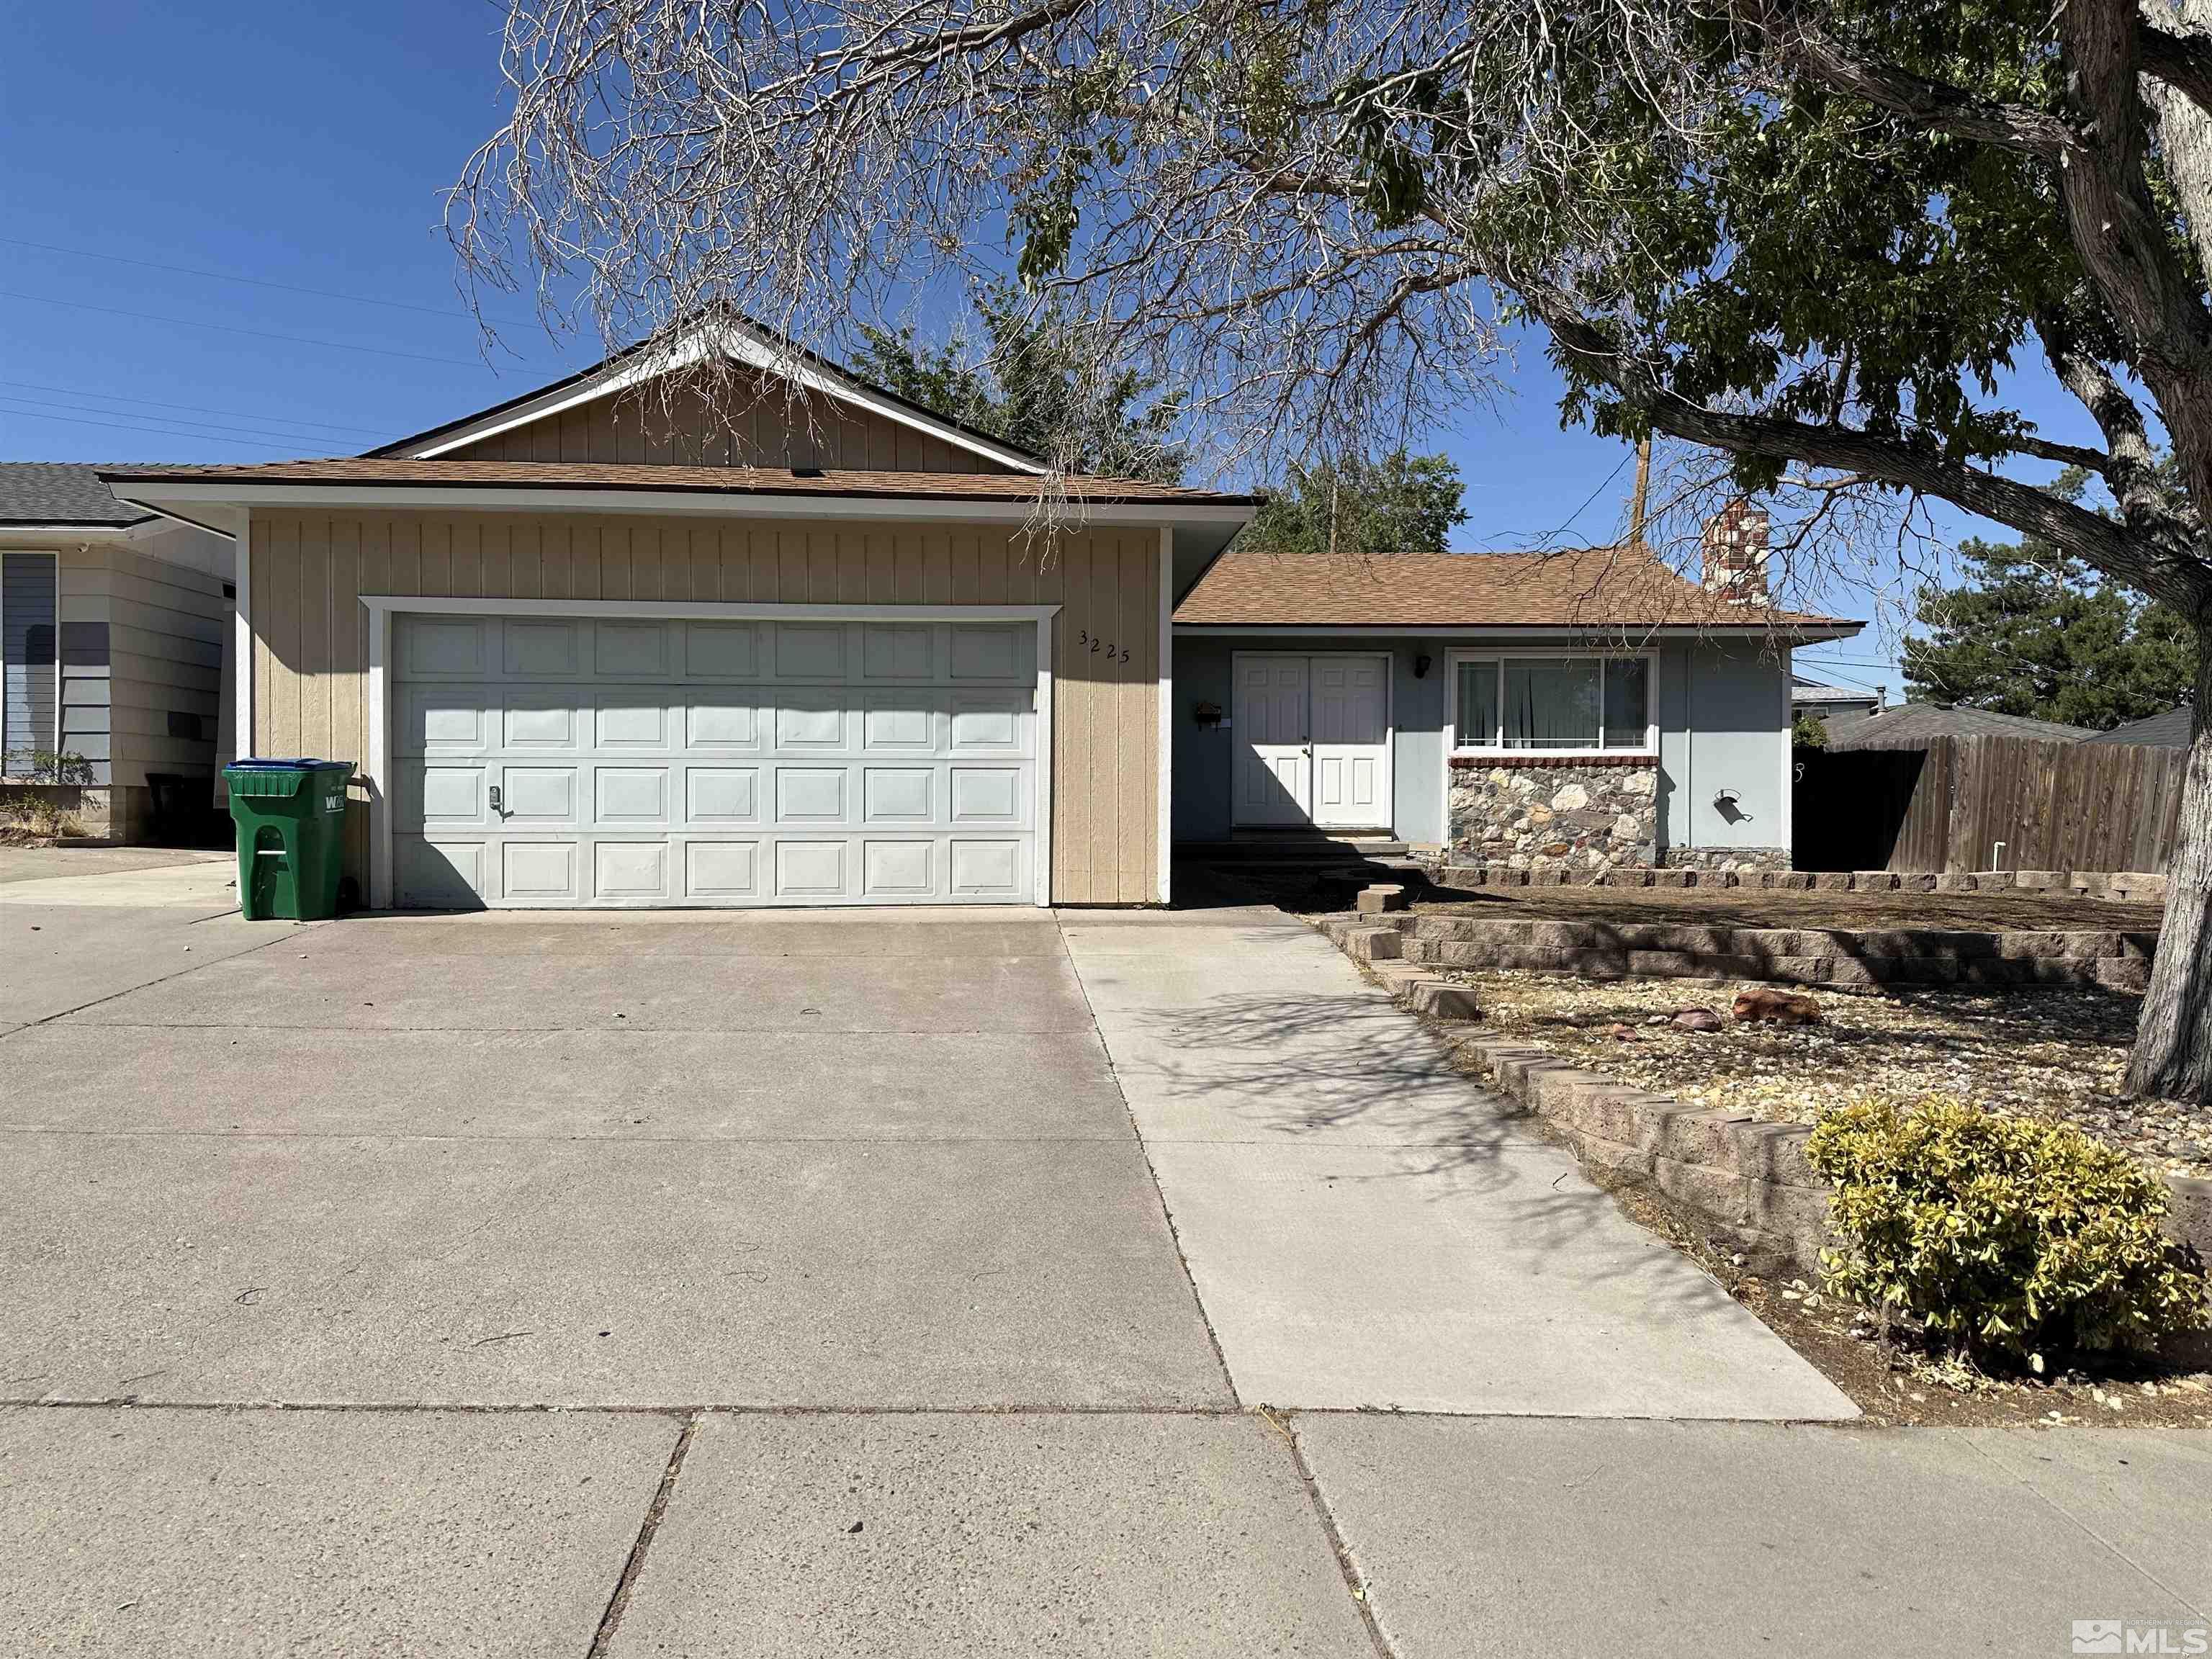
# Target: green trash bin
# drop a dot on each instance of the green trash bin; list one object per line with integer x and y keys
{"x": 290, "y": 816}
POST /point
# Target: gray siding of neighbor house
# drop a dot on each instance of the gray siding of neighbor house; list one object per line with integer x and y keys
{"x": 1722, "y": 711}
{"x": 142, "y": 668}
{"x": 27, "y": 603}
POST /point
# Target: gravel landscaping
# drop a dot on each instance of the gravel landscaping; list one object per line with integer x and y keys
{"x": 2053, "y": 1053}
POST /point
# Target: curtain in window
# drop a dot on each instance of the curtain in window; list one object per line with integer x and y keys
{"x": 1477, "y": 726}
{"x": 1551, "y": 702}
{"x": 1628, "y": 702}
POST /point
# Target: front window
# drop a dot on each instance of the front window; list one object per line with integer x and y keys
{"x": 1562, "y": 704}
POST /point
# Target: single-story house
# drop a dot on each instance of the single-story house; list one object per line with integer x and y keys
{"x": 603, "y": 645}
{"x": 112, "y": 623}
{"x": 1912, "y": 725}
{"x": 1810, "y": 699}
{"x": 1572, "y": 710}
{"x": 2169, "y": 730}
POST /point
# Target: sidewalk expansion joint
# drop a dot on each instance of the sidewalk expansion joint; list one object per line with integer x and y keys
{"x": 618, "y": 1603}
{"x": 1342, "y": 1551}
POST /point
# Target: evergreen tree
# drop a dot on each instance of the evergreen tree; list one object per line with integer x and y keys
{"x": 1399, "y": 504}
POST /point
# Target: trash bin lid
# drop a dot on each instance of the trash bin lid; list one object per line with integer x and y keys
{"x": 257, "y": 764}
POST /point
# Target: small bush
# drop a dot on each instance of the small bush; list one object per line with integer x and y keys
{"x": 2006, "y": 1235}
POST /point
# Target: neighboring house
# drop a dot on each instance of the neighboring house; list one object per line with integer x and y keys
{"x": 112, "y": 624}
{"x": 2168, "y": 731}
{"x": 1912, "y": 725}
{"x": 1575, "y": 710}
{"x": 601, "y": 647}
{"x": 1811, "y": 699}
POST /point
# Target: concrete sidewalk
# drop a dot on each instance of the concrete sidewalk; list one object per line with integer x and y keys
{"x": 1370, "y": 1230}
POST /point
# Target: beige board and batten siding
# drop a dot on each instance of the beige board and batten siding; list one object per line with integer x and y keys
{"x": 634, "y": 429}
{"x": 311, "y": 631}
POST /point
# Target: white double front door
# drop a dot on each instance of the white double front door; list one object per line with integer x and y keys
{"x": 1312, "y": 740}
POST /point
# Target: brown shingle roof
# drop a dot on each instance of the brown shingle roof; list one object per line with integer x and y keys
{"x": 402, "y": 472}
{"x": 1588, "y": 587}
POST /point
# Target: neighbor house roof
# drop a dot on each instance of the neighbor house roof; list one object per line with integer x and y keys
{"x": 1606, "y": 587}
{"x": 2166, "y": 731}
{"x": 399, "y": 473}
{"x": 61, "y": 493}
{"x": 1912, "y": 725}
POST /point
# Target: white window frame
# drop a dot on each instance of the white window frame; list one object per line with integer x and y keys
{"x": 54, "y": 747}
{"x": 1648, "y": 750}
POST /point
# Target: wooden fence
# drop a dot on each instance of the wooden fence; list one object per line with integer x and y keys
{"x": 1946, "y": 806}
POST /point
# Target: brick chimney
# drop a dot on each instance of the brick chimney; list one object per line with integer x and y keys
{"x": 1736, "y": 552}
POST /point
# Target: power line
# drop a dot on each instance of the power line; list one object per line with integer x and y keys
{"x": 448, "y": 311}
{"x": 132, "y": 415}
{"x": 227, "y": 328}
{"x": 148, "y": 431}
{"x": 190, "y": 408}
{"x": 1603, "y": 484}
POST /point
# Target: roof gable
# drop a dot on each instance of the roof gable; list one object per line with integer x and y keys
{"x": 480, "y": 435}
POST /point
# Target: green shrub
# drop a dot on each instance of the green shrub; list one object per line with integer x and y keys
{"x": 2006, "y": 1235}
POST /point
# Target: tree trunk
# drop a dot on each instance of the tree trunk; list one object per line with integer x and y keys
{"x": 2172, "y": 1057}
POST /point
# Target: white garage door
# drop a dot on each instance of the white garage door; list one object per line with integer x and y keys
{"x": 614, "y": 761}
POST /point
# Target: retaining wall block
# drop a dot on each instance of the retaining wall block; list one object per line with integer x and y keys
{"x": 1566, "y": 935}
{"x": 1442, "y": 998}
{"x": 1916, "y": 881}
{"x": 1833, "y": 881}
{"x": 2145, "y": 886}
{"x": 1793, "y": 881}
{"x": 1775, "y": 1152}
{"x": 1374, "y": 943}
{"x": 1997, "y": 972}
{"x": 1800, "y": 971}
{"x": 1689, "y": 964}
{"x": 2122, "y": 974}
{"x": 1693, "y": 1134}
{"x": 1993, "y": 881}
{"x": 1720, "y": 1195}
{"x": 1674, "y": 878}
{"x": 2143, "y": 946}
{"x": 2088, "y": 946}
{"x": 1551, "y": 1090}
{"x": 1955, "y": 881}
{"x": 1929, "y": 970}
{"x": 2038, "y": 881}
{"x": 1874, "y": 881}
{"x": 2189, "y": 1213}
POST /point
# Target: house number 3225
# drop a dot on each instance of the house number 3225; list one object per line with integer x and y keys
{"x": 1094, "y": 645}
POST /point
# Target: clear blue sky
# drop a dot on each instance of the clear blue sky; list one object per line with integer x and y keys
{"x": 306, "y": 146}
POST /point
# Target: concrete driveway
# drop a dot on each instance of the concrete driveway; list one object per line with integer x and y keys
{"x": 884, "y": 1282}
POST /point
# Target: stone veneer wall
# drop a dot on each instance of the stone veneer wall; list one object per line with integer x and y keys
{"x": 1582, "y": 817}
{"x": 1533, "y": 813}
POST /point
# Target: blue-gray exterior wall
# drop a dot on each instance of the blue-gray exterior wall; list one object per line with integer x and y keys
{"x": 1724, "y": 717}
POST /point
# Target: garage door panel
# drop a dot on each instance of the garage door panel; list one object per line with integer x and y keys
{"x": 543, "y": 649}
{"x": 810, "y": 794}
{"x": 808, "y": 651}
{"x": 643, "y": 719}
{"x": 810, "y": 869}
{"x": 541, "y": 872}
{"x": 631, "y": 872}
{"x": 722, "y": 651}
{"x": 987, "y": 794}
{"x": 628, "y": 797}
{"x": 906, "y": 721}
{"x": 538, "y": 797}
{"x": 633, "y": 650}
{"x": 451, "y": 646}
{"x": 721, "y": 872}
{"x": 721, "y": 794}
{"x": 443, "y": 875}
{"x": 987, "y": 868}
{"x": 898, "y": 794}
{"x": 702, "y": 762}
{"x": 540, "y": 721}
{"x": 894, "y": 870}
{"x": 717, "y": 721}
{"x": 814, "y": 720}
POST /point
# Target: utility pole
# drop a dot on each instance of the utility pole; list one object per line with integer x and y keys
{"x": 1637, "y": 504}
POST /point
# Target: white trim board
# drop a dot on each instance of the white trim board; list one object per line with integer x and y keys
{"x": 382, "y": 607}
{"x": 1164, "y": 829}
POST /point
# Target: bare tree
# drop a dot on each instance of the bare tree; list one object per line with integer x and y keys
{"x": 1801, "y": 237}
